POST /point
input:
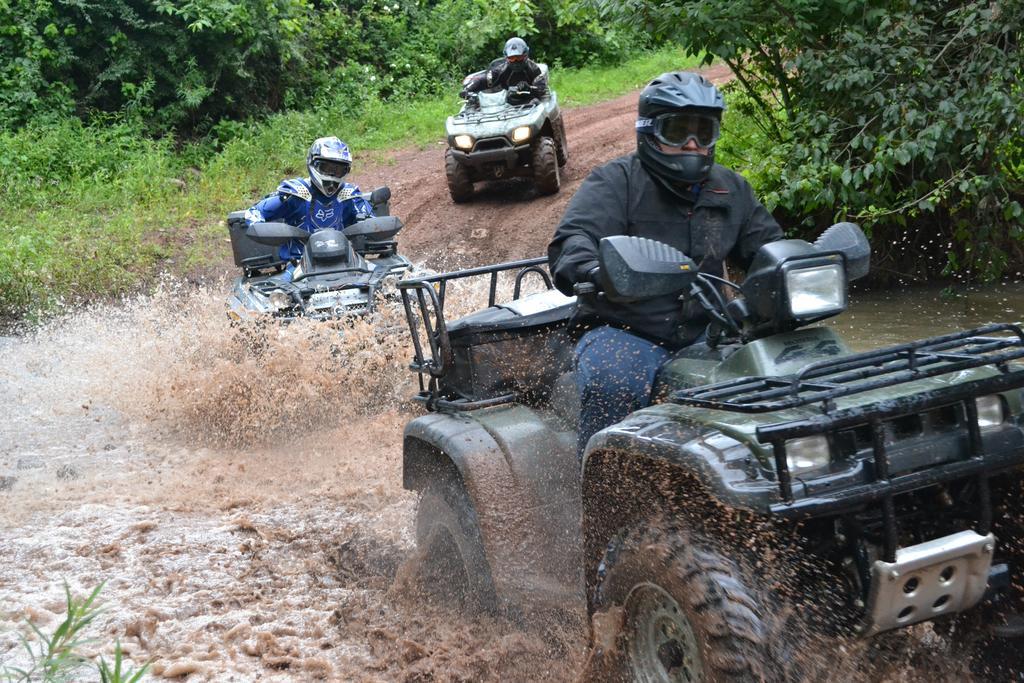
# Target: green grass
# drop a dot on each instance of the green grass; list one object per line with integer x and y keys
{"x": 96, "y": 211}
{"x": 58, "y": 656}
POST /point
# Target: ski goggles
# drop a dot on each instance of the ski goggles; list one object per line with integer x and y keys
{"x": 675, "y": 129}
{"x": 331, "y": 168}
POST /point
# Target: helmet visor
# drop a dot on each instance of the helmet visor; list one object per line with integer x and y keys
{"x": 516, "y": 58}
{"x": 675, "y": 129}
{"x": 331, "y": 168}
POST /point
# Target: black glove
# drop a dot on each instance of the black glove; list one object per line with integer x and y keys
{"x": 464, "y": 94}
{"x": 588, "y": 283}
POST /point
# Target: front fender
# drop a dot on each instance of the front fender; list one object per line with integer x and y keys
{"x": 511, "y": 465}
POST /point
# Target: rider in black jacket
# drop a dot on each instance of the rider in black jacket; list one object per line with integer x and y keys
{"x": 510, "y": 71}
{"x": 669, "y": 190}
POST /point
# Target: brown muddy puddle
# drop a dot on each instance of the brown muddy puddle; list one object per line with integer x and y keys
{"x": 239, "y": 495}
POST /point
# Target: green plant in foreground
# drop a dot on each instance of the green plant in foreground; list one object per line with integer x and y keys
{"x": 57, "y": 657}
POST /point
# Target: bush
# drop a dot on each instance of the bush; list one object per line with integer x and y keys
{"x": 188, "y": 66}
{"x": 905, "y": 116}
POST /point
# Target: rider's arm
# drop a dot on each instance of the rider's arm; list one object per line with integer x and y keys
{"x": 277, "y": 207}
{"x": 354, "y": 207}
{"x": 758, "y": 227}
{"x": 598, "y": 209}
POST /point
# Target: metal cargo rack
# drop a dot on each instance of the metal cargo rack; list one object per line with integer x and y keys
{"x": 432, "y": 359}
{"x": 823, "y": 382}
{"x": 508, "y": 112}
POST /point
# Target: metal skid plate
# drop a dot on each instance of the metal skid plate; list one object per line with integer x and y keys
{"x": 927, "y": 580}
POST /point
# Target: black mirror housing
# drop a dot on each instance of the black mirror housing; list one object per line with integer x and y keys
{"x": 275, "y": 234}
{"x": 635, "y": 268}
{"x": 377, "y": 228}
{"x": 850, "y": 241}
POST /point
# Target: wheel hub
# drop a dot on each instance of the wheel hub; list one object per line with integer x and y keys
{"x": 661, "y": 643}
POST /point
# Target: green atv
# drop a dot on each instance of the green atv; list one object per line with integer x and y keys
{"x": 781, "y": 473}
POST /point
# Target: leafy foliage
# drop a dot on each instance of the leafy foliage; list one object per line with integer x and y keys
{"x": 906, "y": 116}
{"x": 193, "y": 65}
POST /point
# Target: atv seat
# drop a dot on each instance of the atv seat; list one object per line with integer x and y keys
{"x": 519, "y": 347}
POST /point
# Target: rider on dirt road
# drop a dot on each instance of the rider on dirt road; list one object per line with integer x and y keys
{"x": 669, "y": 190}
{"x": 512, "y": 70}
{"x": 324, "y": 200}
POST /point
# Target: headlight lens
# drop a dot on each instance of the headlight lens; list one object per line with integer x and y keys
{"x": 521, "y": 134}
{"x": 990, "y": 411}
{"x": 464, "y": 142}
{"x": 807, "y": 453}
{"x": 816, "y": 291}
{"x": 279, "y": 300}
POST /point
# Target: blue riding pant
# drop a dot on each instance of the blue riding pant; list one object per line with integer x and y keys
{"x": 614, "y": 376}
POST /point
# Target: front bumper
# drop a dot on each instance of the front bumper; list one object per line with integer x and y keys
{"x": 507, "y": 156}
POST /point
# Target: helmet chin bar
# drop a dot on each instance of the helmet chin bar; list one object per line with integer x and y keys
{"x": 686, "y": 169}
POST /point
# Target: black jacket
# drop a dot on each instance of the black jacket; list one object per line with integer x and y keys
{"x": 724, "y": 222}
{"x": 502, "y": 75}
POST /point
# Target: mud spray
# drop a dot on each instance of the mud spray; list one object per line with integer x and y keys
{"x": 237, "y": 490}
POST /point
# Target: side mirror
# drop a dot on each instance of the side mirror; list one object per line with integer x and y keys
{"x": 275, "y": 234}
{"x": 380, "y": 195}
{"x": 377, "y": 228}
{"x": 850, "y": 240}
{"x": 634, "y": 268}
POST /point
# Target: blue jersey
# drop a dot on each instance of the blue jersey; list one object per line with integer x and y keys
{"x": 298, "y": 203}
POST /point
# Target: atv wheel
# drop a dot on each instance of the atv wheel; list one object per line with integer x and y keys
{"x": 561, "y": 145}
{"x": 681, "y": 611}
{"x": 452, "y": 561}
{"x": 459, "y": 185}
{"x": 545, "y": 166}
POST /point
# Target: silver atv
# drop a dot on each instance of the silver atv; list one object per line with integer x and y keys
{"x": 339, "y": 274}
{"x": 505, "y": 134}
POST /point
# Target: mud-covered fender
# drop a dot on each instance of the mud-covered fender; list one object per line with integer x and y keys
{"x": 633, "y": 467}
{"x": 513, "y": 466}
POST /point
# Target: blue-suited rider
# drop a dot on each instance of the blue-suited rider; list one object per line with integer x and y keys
{"x": 324, "y": 200}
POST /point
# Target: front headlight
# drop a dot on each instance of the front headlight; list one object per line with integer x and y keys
{"x": 991, "y": 412}
{"x": 816, "y": 291}
{"x": 521, "y": 134}
{"x": 807, "y": 453}
{"x": 279, "y": 300}
{"x": 464, "y": 142}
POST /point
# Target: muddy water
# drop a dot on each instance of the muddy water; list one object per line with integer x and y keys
{"x": 239, "y": 493}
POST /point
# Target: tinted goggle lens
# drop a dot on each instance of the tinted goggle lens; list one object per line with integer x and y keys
{"x": 677, "y": 129}
{"x": 328, "y": 167}
{"x": 516, "y": 58}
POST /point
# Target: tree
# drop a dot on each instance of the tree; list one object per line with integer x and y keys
{"x": 906, "y": 116}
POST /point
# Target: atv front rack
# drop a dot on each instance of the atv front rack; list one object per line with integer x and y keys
{"x": 433, "y": 355}
{"x": 826, "y": 381}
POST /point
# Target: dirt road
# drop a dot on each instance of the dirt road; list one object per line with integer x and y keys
{"x": 506, "y": 220}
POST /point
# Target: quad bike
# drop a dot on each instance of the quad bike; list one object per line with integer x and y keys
{"x": 505, "y": 134}
{"x": 339, "y": 273}
{"x": 888, "y": 475}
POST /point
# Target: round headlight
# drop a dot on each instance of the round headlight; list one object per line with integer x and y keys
{"x": 279, "y": 299}
{"x": 464, "y": 142}
{"x": 521, "y": 134}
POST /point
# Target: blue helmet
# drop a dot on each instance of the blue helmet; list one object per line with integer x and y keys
{"x": 674, "y": 107}
{"x": 328, "y": 161}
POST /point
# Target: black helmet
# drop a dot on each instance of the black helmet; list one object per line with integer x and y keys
{"x": 675, "y": 107}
